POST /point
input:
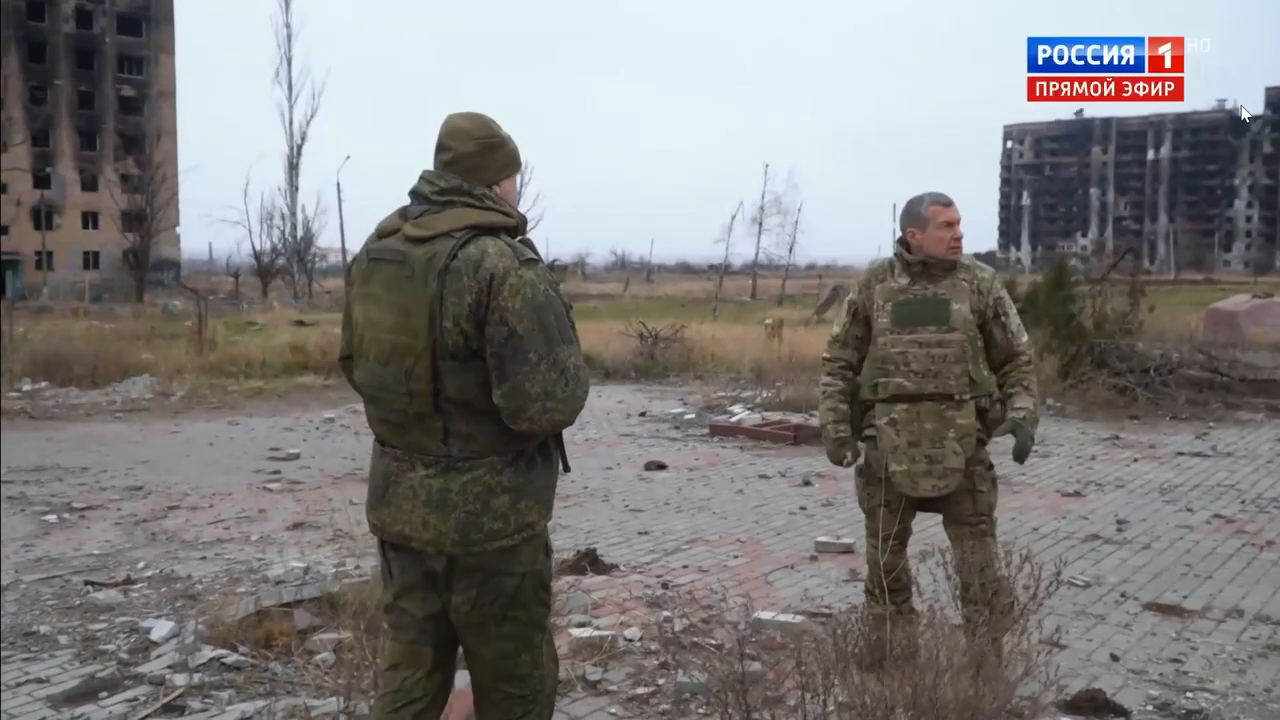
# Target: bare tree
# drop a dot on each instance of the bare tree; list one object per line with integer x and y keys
{"x": 765, "y": 217}
{"x": 234, "y": 269}
{"x": 724, "y": 263}
{"x": 305, "y": 252}
{"x": 145, "y": 196}
{"x": 792, "y": 239}
{"x": 261, "y": 227}
{"x": 582, "y": 261}
{"x": 528, "y": 199}
{"x": 298, "y": 97}
{"x": 621, "y": 260}
{"x": 13, "y": 135}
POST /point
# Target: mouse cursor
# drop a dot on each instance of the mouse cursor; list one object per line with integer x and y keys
{"x": 1245, "y": 115}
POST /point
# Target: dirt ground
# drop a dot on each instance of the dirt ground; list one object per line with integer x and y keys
{"x": 1171, "y": 530}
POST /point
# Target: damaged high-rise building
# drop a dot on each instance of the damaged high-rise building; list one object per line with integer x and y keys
{"x": 1189, "y": 191}
{"x": 89, "y": 140}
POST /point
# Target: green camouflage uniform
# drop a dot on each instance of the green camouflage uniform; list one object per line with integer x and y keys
{"x": 926, "y": 361}
{"x": 457, "y": 337}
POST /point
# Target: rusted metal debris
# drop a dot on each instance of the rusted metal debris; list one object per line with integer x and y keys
{"x": 783, "y": 432}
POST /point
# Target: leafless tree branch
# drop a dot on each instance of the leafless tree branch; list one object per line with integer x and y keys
{"x": 13, "y": 133}
{"x": 727, "y": 239}
{"x": 234, "y": 269}
{"x": 790, "y": 244}
{"x": 261, "y": 228}
{"x": 145, "y": 195}
{"x": 768, "y": 219}
{"x": 529, "y": 200}
{"x": 298, "y": 100}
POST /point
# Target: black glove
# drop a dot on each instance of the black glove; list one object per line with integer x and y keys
{"x": 842, "y": 452}
{"x": 1023, "y": 439}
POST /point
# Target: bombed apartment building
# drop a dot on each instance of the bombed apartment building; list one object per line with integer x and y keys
{"x": 90, "y": 162}
{"x": 1195, "y": 191}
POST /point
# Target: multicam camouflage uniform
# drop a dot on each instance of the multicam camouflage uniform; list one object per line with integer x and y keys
{"x": 926, "y": 362}
{"x": 465, "y": 353}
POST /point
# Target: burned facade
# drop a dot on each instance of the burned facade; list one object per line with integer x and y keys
{"x": 89, "y": 140}
{"x": 1194, "y": 191}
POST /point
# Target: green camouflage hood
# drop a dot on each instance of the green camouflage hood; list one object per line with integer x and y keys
{"x": 440, "y": 204}
{"x": 917, "y": 266}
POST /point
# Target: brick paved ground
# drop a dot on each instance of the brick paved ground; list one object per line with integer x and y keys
{"x": 1177, "y": 513}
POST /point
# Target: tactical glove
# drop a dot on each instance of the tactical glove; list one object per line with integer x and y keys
{"x": 1023, "y": 438}
{"x": 842, "y": 452}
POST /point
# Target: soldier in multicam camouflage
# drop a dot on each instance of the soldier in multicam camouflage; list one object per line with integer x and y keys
{"x": 926, "y": 363}
{"x": 459, "y": 341}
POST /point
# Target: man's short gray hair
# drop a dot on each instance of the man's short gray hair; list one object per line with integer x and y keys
{"x": 915, "y": 214}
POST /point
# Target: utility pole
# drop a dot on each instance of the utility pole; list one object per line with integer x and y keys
{"x": 342, "y": 226}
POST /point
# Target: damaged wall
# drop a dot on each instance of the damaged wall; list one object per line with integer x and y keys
{"x": 1194, "y": 191}
{"x": 83, "y": 81}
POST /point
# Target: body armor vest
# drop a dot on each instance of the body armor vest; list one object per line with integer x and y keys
{"x": 412, "y": 387}
{"x": 924, "y": 372}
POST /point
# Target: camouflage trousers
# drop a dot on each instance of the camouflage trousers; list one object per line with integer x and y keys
{"x": 494, "y": 605}
{"x": 968, "y": 518}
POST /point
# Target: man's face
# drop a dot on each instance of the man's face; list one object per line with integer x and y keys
{"x": 507, "y": 191}
{"x": 941, "y": 239}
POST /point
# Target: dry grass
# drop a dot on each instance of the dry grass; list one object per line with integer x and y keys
{"x": 821, "y": 668}
{"x": 254, "y": 350}
{"x": 610, "y": 285}
{"x": 238, "y": 352}
{"x": 345, "y": 668}
{"x": 705, "y": 653}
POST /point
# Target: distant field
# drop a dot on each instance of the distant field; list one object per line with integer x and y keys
{"x": 261, "y": 348}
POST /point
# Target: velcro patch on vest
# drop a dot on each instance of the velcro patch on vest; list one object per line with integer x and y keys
{"x": 921, "y": 367}
{"x": 918, "y": 312}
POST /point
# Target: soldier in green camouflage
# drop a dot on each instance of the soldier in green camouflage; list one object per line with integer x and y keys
{"x": 927, "y": 361}
{"x": 457, "y": 338}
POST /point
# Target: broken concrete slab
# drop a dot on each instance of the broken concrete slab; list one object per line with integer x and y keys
{"x": 785, "y": 622}
{"x": 325, "y": 642}
{"x": 163, "y": 662}
{"x": 286, "y": 595}
{"x": 829, "y": 544}
{"x": 590, "y": 639}
{"x": 1242, "y": 320}
{"x": 163, "y": 631}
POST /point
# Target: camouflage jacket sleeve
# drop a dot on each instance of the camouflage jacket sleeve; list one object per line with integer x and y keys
{"x": 842, "y": 363}
{"x": 539, "y": 378}
{"x": 1011, "y": 356}
{"x": 345, "y": 350}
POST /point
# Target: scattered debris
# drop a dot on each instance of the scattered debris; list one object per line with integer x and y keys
{"x": 827, "y": 544}
{"x": 1169, "y": 609}
{"x": 285, "y": 456}
{"x": 585, "y": 562}
{"x": 770, "y": 620}
{"x": 783, "y": 432}
{"x": 1093, "y": 703}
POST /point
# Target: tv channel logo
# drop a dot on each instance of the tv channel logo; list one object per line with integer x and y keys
{"x": 1101, "y": 55}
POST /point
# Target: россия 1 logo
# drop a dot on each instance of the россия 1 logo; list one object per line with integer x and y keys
{"x": 1106, "y": 69}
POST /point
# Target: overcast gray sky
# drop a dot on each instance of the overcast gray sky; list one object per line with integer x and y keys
{"x": 651, "y": 119}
